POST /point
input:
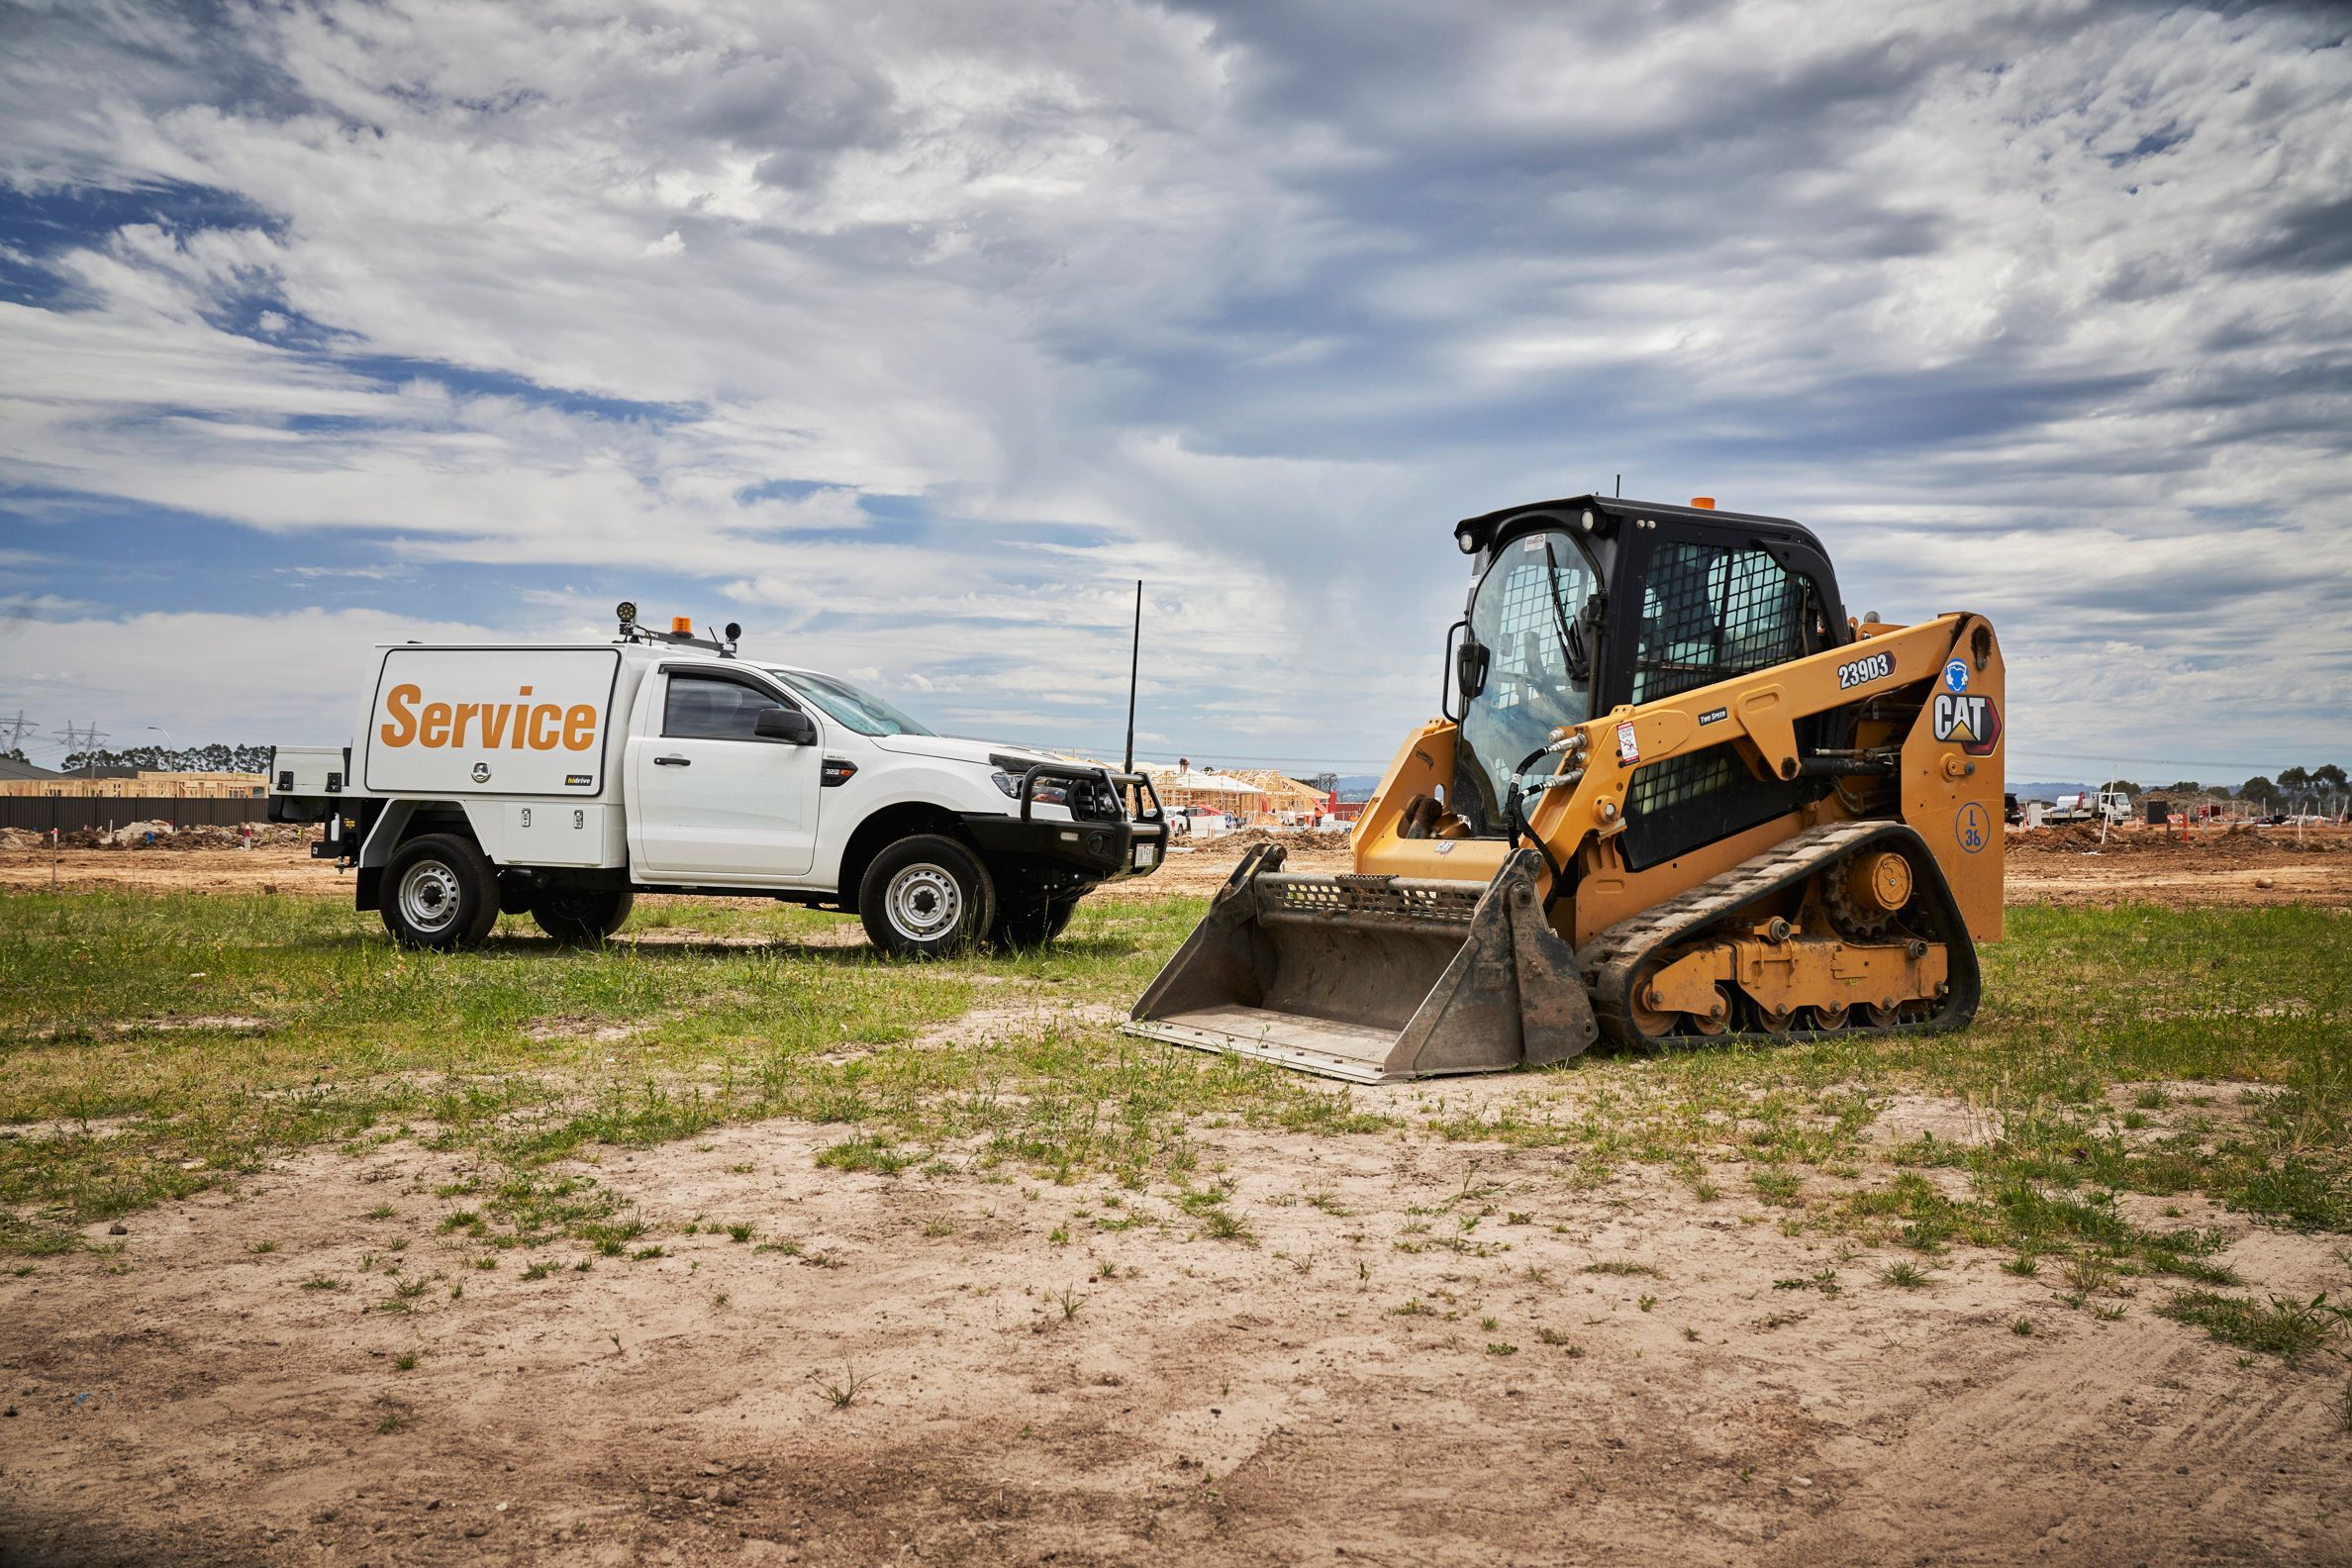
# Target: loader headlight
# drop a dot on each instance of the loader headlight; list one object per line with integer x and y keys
{"x": 1469, "y": 546}
{"x": 1588, "y": 520}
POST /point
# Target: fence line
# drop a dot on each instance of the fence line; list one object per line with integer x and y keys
{"x": 71, "y": 813}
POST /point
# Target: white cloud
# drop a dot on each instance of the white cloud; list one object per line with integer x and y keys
{"x": 2033, "y": 307}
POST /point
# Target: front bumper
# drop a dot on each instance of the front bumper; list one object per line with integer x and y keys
{"x": 1096, "y": 850}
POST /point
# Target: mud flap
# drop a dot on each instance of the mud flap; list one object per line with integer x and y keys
{"x": 1374, "y": 979}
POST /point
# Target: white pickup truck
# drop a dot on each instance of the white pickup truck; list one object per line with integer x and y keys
{"x": 2114, "y": 805}
{"x": 562, "y": 781}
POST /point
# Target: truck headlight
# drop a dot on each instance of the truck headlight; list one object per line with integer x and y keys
{"x": 1045, "y": 794}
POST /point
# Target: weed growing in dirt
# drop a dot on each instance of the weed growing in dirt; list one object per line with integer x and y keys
{"x": 841, "y": 1395}
{"x": 2280, "y": 1326}
{"x": 263, "y": 1247}
{"x": 741, "y": 1230}
{"x": 1618, "y": 1267}
{"x": 1069, "y": 1301}
{"x": 1904, "y": 1275}
{"x": 406, "y": 1361}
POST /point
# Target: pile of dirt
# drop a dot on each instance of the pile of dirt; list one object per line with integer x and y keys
{"x": 157, "y": 834}
{"x": 2233, "y": 843}
{"x": 1246, "y": 839}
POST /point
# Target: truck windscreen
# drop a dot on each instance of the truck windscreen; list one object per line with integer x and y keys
{"x": 862, "y": 710}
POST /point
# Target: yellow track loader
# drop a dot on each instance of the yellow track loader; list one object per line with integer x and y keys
{"x": 1677, "y": 795}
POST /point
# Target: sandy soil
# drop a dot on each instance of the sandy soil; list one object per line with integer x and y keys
{"x": 1149, "y": 1395}
{"x": 1208, "y": 1402}
{"x": 2051, "y": 865}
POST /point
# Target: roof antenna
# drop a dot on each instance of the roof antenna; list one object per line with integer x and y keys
{"x": 1621, "y": 490}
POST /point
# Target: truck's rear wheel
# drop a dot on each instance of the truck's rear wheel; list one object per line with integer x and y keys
{"x": 440, "y": 890}
{"x": 581, "y": 916}
{"x": 924, "y": 897}
{"x": 1032, "y": 921}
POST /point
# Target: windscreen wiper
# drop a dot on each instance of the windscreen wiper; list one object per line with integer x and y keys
{"x": 1580, "y": 662}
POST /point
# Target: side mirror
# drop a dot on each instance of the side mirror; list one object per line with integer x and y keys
{"x": 1470, "y": 667}
{"x": 787, "y": 725}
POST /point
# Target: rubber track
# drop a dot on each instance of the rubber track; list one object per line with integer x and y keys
{"x": 1610, "y": 960}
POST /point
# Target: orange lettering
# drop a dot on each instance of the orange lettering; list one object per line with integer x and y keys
{"x": 580, "y": 729}
{"x": 466, "y": 713}
{"x": 494, "y": 723}
{"x": 435, "y": 731}
{"x": 543, "y": 739}
{"x": 400, "y": 705}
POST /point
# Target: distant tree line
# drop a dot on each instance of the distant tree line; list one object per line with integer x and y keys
{"x": 214, "y": 759}
{"x": 2319, "y": 786}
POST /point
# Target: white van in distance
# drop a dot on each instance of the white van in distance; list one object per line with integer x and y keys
{"x": 562, "y": 781}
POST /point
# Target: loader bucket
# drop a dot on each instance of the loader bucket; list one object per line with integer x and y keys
{"x": 1373, "y": 978}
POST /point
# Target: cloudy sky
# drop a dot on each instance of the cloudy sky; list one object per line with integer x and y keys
{"x": 910, "y": 335}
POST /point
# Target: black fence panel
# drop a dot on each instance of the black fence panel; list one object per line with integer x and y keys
{"x": 74, "y": 813}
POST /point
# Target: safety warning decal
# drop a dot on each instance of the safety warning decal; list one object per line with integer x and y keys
{"x": 1628, "y": 749}
{"x": 1956, "y": 676}
{"x": 1973, "y": 722}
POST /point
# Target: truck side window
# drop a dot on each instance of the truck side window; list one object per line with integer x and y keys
{"x": 699, "y": 708}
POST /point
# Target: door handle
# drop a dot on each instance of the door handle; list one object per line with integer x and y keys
{"x": 673, "y": 761}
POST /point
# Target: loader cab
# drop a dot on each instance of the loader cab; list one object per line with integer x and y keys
{"x": 1586, "y": 603}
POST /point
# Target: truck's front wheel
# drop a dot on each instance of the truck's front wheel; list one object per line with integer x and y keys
{"x": 924, "y": 897}
{"x": 441, "y": 891}
{"x": 581, "y": 916}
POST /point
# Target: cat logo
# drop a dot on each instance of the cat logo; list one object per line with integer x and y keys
{"x": 1973, "y": 722}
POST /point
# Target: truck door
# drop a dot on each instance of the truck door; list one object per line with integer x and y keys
{"x": 710, "y": 801}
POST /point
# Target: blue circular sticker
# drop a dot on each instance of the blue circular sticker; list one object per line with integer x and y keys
{"x": 1973, "y": 828}
{"x": 1956, "y": 676}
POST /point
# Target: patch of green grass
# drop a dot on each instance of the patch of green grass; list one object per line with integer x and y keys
{"x": 2280, "y": 1326}
{"x": 864, "y": 1153}
{"x": 1625, "y": 1266}
{"x": 1904, "y": 1275}
{"x": 492, "y": 1053}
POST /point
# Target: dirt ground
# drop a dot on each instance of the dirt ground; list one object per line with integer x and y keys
{"x": 2056, "y": 865}
{"x": 1310, "y": 1394}
{"x": 1030, "y": 1378}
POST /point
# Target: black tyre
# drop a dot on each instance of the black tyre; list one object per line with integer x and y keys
{"x": 581, "y": 916}
{"x": 924, "y": 897}
{"x": 517, "y": 891}
{"x": 440, "y": 890}
{"x": 1032, "y": 921}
